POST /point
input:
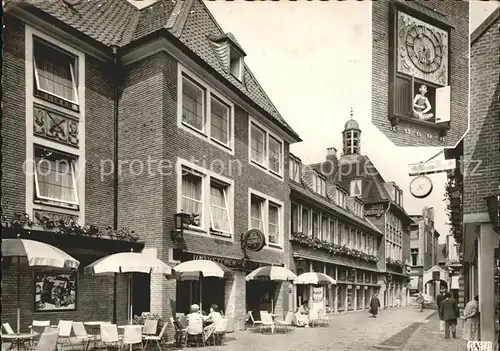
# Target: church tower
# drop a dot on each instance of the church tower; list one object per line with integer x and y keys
{"x": 351, "y": 137}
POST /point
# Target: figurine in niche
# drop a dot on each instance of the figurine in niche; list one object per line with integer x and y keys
{"x": 421, "y": 105}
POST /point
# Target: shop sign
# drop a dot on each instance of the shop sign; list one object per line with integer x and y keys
{"x": 349, "y": 287}
{"x": 358, "y": 287}
{"x": 429, "y": 167}
{"x": 228, "y": 262}
{"x": 374, "y": 210}
{"x": 366, "y": 288}
{"x": 317, "y": 294}
{"x": 254, "y": 240}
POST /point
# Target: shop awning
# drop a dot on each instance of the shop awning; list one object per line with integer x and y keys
{"x": 312, "y": 257}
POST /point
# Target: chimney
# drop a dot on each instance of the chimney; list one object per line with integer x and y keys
{"x": 331, "y": 166}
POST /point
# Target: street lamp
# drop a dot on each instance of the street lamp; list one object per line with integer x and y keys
{"x": 181, "y": 222}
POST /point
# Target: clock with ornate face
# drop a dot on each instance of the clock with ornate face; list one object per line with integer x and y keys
{"x": 421, "y": 187}
{"x": 422, "y": 49}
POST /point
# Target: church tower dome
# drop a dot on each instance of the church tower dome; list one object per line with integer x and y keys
{"x": 351, "y": 137}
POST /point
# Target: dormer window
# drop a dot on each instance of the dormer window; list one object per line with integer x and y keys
{"x": 398, "y": 196}
{"x": 319, "y": 184}
{"x": 294, "y": 169}
{"x": 341, "y": 198}
{"x": 236, "y": 64}
{"x": 358, "y": 208}
{"x": 356, "y": 187}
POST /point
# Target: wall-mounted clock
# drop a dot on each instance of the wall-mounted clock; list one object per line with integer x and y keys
{"x": 421, "y": 187}
{"x": 422, "y": 49}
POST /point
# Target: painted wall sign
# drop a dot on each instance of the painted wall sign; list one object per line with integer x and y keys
{"x": 318, "y": 294}
{"x": 228, "y": 262}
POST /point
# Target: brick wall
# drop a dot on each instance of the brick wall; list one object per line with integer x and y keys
{"x": 481, "y": 144}
{"x": 457, "y": 14}
{"x": 94, "y": 294}
{"x": 13, "y": 121}
{"x": 148, "y": 127}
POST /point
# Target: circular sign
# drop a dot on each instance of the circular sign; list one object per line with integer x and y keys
{"x": 421, "y": 187}
{"x": 254, "y": 240}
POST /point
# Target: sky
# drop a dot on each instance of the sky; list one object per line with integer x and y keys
{"x": 313, "y": 59}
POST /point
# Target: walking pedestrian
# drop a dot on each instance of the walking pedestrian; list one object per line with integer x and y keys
{"x": 470, "y": 331}
{"x": 450, "y": 313}
{"x": 374, "y": 305}
{"x": 439, "y": 300}
{"x": 420, "y": 301}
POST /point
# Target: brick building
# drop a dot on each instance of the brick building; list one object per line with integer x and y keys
{"x": 419, "y": 43}
{"x": 330, "y": 234}
{"x": 481, "y": 174}
{"x": 164, "y": 94}
{"x": 383, "y": 207}
{"x": 423, "y": 248}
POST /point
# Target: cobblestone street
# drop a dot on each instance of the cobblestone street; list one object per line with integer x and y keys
{"x": 354, "y": 331}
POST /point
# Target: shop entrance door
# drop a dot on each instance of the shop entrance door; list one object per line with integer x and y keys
{"x": 259, "y": 296}
{"x": 141, "y": 293}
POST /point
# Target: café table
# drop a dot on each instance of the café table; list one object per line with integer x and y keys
{"x": 18, "y": 339}
{"x": 95, "y": 326}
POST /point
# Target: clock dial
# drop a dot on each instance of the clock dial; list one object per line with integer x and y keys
{"x": 421, "y": 50}
{"x": 424, "y": 48}
{"x": 421, "y": 187}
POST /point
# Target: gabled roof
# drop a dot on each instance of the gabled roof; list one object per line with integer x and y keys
{"x": 119, "y": 23}
{"x": 483, "y": 27}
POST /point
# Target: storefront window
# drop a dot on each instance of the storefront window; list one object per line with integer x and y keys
{"x": 318, "y": 267}
{"x": 367, "y": 297}
{"x": 359, "y": 298}
{"x": 359, "y": 276}
{"x": 350, "y": 299}
{"x": 374, "y": 278}
{"x": 342, "y": 274}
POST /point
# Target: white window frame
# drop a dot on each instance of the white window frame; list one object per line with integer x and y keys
{"x": 308, "y": 230}
{"x": 78, "y": 213}
{"x": 325, "y": 234}
{"x": 267, "y": 199}
{"x": 341, "y": 198}
{"x": 319, "y": 224}
{"x": 204, "y": 228}
{"x": 352, "y": 187}
{"x": 299, "y": 216}
{"x": 333, "y": 226}
{"x": 73, "y": 160}
{"x": 183, "y": 72}
{"x": 72, "y": 70}
{"x": 227, "y": 209}
{"x": 267, "y": 134}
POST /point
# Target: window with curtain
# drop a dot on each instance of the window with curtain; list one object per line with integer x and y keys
{"x": 305, "y": 220}
{"x": 333, "y": 233}
{"x": 347, "y": 233}
{"x": 258, "y": 145}
{"x": 192, "y": 201}
{"x": 315, "y": 226}
{"x": 360, "y": 244}
{"x": 295, "y": 218}
{"x": 54, "y": 71}
{"x": 354, "y": 239}
{"x": 220, "y": 121}
{"x": 324, "y": 228}
{"x": 193, "y": 104}
{"x": 275, "y": 155}
{"x": 274, "y": 224}
{"x": 55, "y": 176}
{"x": 257, "y": 213}
{"x": 219, "y": 207}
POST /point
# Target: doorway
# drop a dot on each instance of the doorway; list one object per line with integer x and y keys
{"x": 141, "y": 293}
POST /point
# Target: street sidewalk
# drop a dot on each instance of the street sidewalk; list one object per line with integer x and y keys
{"x": 428, "y": 337}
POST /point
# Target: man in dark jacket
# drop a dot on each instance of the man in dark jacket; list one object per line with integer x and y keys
{"x": 439, "y": 300}
{"x": 374, "y": 305}
{"x": 449, "y": 312}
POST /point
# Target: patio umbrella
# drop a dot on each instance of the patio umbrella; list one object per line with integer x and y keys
{"x": 35, "y": 254}
{"x": 197, "y": 269}
{"x": 314, "y": 278}
{"x": 128, "y": 262}
{"x": 272, "y": 273}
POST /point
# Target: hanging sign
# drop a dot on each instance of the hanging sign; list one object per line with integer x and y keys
{"x": 253, "y": 240}
{"x": 429, "y": 167}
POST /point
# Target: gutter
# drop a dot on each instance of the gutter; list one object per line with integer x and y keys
{"x": 114, "y": 52}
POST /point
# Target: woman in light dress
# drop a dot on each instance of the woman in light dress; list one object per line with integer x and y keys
{"x": 302, "y": 315}
{"x": 470, "y": 331}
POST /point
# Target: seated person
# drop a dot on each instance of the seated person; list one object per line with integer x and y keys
{"x": 213, "y": 317}
{"x": 421, "y": 105}
{"x": 302, "y": 315}
{"x": 194, "y": 314}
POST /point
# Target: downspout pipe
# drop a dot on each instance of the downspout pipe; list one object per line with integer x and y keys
{"x": 116, "y": 75}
